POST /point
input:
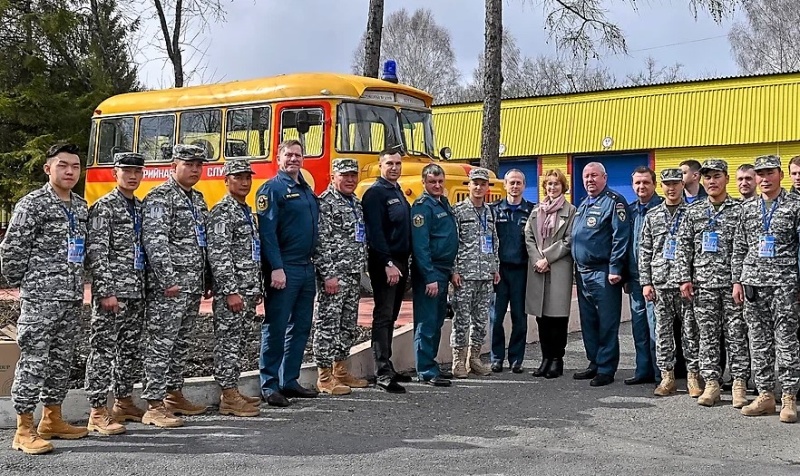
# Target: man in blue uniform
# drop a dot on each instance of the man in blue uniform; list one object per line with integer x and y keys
{"x": 643, "y": 318}
{"x": 600, "y": 238}
{"x": 511, "y": 214}
{"x": 288, "y": 218}
{"x": 434, "y": 241}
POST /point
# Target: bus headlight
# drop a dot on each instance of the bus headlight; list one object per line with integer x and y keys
{"x": 445, "y": 153}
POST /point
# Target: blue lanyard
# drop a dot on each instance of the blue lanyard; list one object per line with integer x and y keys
{"x": 352, "y": 204}
{"x": 713, "y": 221}
{"x": 136, "y": 217}
{"x": 766, "y": 220}
{"x": 71, "y": 217}
{"x": 483, "y": 219}
{"x": 193, "y": 209}
{"x": 676, "y": 221}
{"x": 248, "y": 216}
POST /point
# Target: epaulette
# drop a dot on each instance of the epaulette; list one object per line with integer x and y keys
{"x": 420, "y": 200}
{"x": 614, "y": 195}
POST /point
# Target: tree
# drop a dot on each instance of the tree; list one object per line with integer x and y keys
{"x": 768, "y": 40}
{"x": 372, "y": 40}
{"x": 655, "y": 74}
{"x": 492, "y": 85}
{"x": 422, "y": 50}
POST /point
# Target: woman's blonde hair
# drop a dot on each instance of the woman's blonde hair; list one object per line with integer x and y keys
{"x": 559, "y": 175}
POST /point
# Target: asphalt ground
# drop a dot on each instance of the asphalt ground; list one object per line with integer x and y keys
{"x": 506, "y": 424}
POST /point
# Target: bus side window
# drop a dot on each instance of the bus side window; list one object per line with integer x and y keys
{"x": 247, "y": 132}
{"x": 156, "y": 133}
{"x": 305, "y": 117}
{"x": 116, "y": 135}
{"x": 204, "y": 129}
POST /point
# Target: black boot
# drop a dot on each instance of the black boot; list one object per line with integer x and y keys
{"x": 542, "y": 368}
{"x": 555, "y": 369}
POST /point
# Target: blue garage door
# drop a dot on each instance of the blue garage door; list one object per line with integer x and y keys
{"x": 619, "y": 168}
{"x": 530, "y": 168}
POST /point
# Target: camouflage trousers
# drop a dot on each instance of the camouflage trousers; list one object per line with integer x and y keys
{"x": 336, "y": 320}
{"x": 773, "y": 324}
{"x": 166, "y": 341}
{"x": 669, "y": 307}
{"x": 471, "y": 313}
{"x": 46, "y": 333}
{"x": 718, "y": 315}
{"x": 231, "y": 335}
{"x": 114, "y": 348}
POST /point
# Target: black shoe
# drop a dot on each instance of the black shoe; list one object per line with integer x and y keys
{"x": 542, "y": 368}
{"x": 276, "y": 399}
{"x": 299, "y": 392}
{"x": 555, "y": 369}
{"x": 639, "y": 380}
{"x": 402, "y": 377}
{"x": 438, "y": 382}
{"x": 390, "y": 386}
{"x": 497, "y": 367}
{"x": 601, "y": 380}
{"x": 516, "y": 368}
{"x": 444, "y": 373}
{"x": 585, "y": 375}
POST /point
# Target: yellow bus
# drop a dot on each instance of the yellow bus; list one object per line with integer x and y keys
{"x": 333, "y": 115}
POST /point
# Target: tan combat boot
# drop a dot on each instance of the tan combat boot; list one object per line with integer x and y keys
{"x": 54, "y": 426}
{"x": 125, "y": 410}
{"x": 739, "y": 393}
{"x": 256, "y": 401}
{"x": 693, "y": 384}
{"x": 231, "y": 403}
{"x": 327, "y": 383}
{"x": 789, "y": 408}
{"x": 26, "y": 439}
{"x": 460, "y": 363}
{"x": 711, "y": 394}
{"x": 667, "y": 386}
{"x": 177, "y": 404}
{"x": 764, "y": 404}
{"x": 344, "y": 376}
{"x": 102, "y": 422}
{"x": 475, "y": 365}
{"x": 158, "y": 415}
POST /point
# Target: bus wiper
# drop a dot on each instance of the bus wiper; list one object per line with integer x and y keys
{"x": 416, "y": 152}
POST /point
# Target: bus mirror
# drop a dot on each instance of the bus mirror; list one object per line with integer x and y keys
{"x": 445, "y": 153}
{"x": 301, "y": 122}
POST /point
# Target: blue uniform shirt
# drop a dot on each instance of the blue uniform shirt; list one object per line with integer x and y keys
{"x": 288, "y": 221}
{"x": 601, "y": 233}
{"x": 510, "y": 224}
{"x": 434, "y": 238}
{"x": 636, "y": 213}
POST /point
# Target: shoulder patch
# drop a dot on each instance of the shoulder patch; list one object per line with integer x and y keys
{"x": 262, "y": 203}
{"x": 155, "y": 211}
{"x": 98, "y": 222}
{"x": 19, "y": 217}
{"x": 418, "y": 220}
{"x": 219, "y": 227}
{"x": 622, "y": 212}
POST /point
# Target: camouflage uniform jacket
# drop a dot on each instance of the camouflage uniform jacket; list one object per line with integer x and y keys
{"x": 659, "y": 227}
{"x": 708, "y": 269}
{"x": 231, "y": 238}
{"x": 780, "y": 269}
{"x": 170, "y": 238}
{"x": 33, "y": 254}
{"x": 338, "y": 253}
{"x": 473, "y": 228}
{"x": 114, "y": 234}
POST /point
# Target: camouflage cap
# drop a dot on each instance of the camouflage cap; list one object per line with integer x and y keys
{"x": 345, "y": 166}
{"x": 479, "y": 173}
{"x": 128, "y": 159}
{"x": 714, "y": 164}
{"x": 236, "y": 166}
{"x": 671, "y": 175}
{"x": 188, "y": 152}
{"x": 767, "y": 162}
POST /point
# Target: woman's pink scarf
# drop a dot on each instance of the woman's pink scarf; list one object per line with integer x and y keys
{"x": 547, "y": 215}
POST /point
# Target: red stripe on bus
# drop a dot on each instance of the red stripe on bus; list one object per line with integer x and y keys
{"x": 159, "y": 173}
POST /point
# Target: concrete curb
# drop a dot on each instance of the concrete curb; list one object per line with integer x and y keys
{"x": 205, "y": 391}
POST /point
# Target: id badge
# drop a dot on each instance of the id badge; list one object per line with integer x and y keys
{"x": 766, "y": 246}
{"x": 200, "y": 231}
{"x": 256, "y": 249}
{"x": 361, "y": 233}
{"x": 75, "y": 250}
{"x": 670, "y": 247}
{"x": 710, "y": 242}
{"x": 486, "y": 244}
{"x": 138, "y": 257}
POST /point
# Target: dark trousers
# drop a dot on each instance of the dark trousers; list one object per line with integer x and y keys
{"x": 429, "y": 315}
{"x": 388, "y": 300}
{"x": 510, "y": 289}
{"x": 600, "y": 305}
{"x": 553, "y": 336}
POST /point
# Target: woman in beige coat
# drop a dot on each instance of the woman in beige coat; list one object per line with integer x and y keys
{"x": 550, "y": 271}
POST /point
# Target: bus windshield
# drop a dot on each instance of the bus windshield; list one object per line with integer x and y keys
{"x": 366, "y": 128}
{"x": 417, "y": 132}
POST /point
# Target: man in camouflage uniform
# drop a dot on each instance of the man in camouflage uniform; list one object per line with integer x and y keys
{"x": 767, "y": 243}
{"x": 234, "y": 256}
{"x": 474, "y": 273}
{"x": 43, "y": 253}
{"x": 658, "y": 276}
{"x": 115, "y": 258}
{"x": 705, "y": 257}
{"x": 174, "y": 238}
{"x": 340, "y": 257}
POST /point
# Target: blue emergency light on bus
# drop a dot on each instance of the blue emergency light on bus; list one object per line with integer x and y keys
{"x": 389, "y": 71}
